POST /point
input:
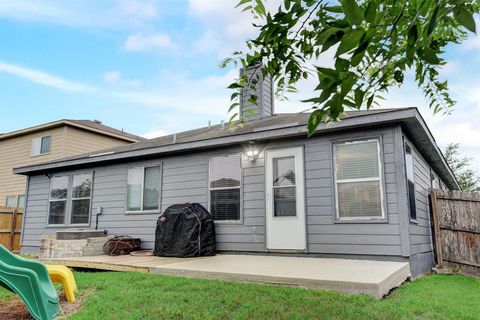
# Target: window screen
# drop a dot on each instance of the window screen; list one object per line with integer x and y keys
{"x": 81, "y": 193}
{"x": 410, "y": 182}
{"x": 151, "y": 187}
{"x": 143, "y": 188}
{"x": 358, "y": 180}
{"x": 134, "y": 189}
{"x": 45, "y": 145}
{"x": 21, "y": 201}
{"x": 224, "y": 182}
{"x": 58, "y": 199}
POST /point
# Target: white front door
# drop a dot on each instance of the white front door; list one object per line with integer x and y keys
{"x": 285, "y": 202}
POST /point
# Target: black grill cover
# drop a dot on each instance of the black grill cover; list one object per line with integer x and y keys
{"x": 185, "y": 230}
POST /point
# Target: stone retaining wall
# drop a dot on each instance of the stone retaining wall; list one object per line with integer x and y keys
{"x": 51, "y": 247}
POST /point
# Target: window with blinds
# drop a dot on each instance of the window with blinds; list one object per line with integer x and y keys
{"x": 410, "y": 182}
{"x": 224, "y": 187}
{"x": 358, "y": 182}
{"x": 143, "y": 189}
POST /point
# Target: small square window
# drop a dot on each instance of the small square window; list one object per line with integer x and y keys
{"x": 11, "y": 201}
{"x": 41, "y": 145}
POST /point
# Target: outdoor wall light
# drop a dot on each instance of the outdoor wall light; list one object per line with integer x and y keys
{"x": 252, "y": 151}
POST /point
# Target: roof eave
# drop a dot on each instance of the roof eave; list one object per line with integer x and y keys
{"x": 34, "y": 129}
{"x": 59, "y": 123}
{"x": 440, "y": 163}
{"x": 102, "y": 132}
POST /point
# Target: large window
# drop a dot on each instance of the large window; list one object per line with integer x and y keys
{"x": 358, "y": 182}
{"x": 70, "y": 199}
{"x": 410, "y": 182}
{"x": 41, "y": 145}
{"x": 224, "y": 182}
{"x": 143, "y": 189}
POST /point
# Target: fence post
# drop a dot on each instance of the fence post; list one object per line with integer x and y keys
{"x": 436, "y": 228}
{"x": 13, "y": 228}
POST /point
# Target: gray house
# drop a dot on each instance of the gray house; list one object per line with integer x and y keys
{"x": 357, "y": 188}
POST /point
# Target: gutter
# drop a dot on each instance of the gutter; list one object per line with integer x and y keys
{"x": 422, "y": 122}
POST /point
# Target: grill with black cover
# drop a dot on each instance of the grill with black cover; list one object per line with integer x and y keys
{"x": 185, "y": 230}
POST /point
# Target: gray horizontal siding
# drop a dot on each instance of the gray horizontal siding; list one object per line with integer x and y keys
{"x": 185, "y": 179}
{"x": 326, "y": 236}
{"x": 420, "y": 230}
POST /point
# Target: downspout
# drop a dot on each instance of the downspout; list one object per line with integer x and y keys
{"x": 24, "y": 214}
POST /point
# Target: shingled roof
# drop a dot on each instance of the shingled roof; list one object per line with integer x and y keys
{"x": 278, "y": 126}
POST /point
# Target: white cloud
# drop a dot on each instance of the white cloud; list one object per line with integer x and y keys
{"x": 461, "y": 126}
{"x": 225, "y": 28}
{"x": 139, "y": 42}
{"x": 112, "y": 76}
{"x": 184, "y": 95}
{"x": 137, "y": 10}
{"x": 116, "y": 78}
{"x": 84, "y": 14}
{"x": 44, "y": 78}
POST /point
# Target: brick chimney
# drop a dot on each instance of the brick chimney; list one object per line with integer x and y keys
{"x": 263, "y": 90}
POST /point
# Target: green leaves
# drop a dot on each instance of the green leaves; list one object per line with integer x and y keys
{"x": 464, "y": 17}
{"x": 350, "y": 41}
{"x": 353, "y": 12}
{"x": 378, "y": 41}
{"x": 371, "y": 11}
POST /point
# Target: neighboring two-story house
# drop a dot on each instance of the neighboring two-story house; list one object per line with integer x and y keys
{"x": 48, "y": 142}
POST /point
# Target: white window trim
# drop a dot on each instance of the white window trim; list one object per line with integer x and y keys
{"x": 240, "y": 187}
{"x": 379, "y": 179}
{"x": 141, "y": 211}
{"x": 68, "y": 205}
{"x": 41, "y": 138}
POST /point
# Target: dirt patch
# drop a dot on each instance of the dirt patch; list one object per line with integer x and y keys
{"x": 14, "y": 309}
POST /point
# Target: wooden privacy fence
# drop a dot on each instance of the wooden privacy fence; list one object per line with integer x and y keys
{"x": 10, "y": 228}
{"x": 456, "y": 224}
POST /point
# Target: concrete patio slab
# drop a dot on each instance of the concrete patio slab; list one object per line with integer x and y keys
{"x": 375, "y": 278}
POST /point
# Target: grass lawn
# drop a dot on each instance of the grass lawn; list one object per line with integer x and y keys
{"x": 142, "y": 296}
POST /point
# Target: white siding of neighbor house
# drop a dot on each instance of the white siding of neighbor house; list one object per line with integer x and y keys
{"x": 185, "y": 179}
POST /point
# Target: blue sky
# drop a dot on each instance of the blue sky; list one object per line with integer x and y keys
{"x": 151, "y": 68}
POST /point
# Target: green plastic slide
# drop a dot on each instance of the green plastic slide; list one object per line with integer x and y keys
{"x": 30, "y": 281}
